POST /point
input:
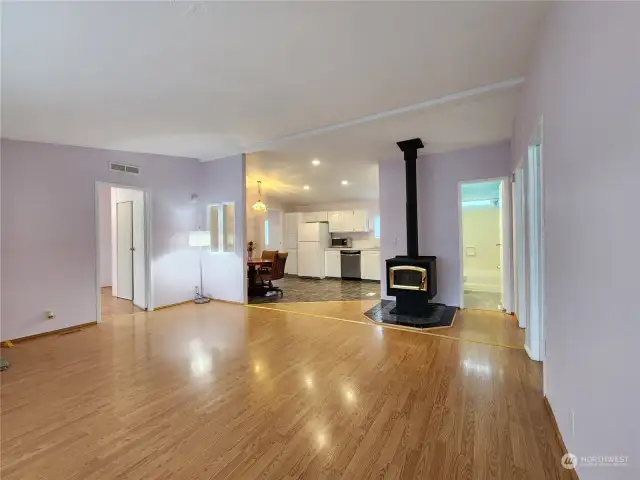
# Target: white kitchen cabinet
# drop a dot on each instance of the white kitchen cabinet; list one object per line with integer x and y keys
{"x": 349, "y": 221}
{"x": 314, "y": 217}
{"x": 321, "y": 217}
{"x": 336, "y": 222}
{"x": 307, "y": 217}
{"x": 359, "y": 221}
{"x": 370, "y": 265}
{"x": 291, "y": 266}
{"x": 332, "y": 263}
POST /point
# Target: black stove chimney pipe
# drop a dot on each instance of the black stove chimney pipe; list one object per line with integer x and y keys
{"x": 410, "y": 149}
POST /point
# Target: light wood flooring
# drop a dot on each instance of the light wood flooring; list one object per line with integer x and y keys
{"x": 491, "y": 327}
{"x": 225, "y": 391}
{"x": 116, "y": 306}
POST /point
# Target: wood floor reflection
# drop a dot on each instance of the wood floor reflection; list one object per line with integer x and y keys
{"x": 226, "y": 391}
{"x": 492, "y": 327}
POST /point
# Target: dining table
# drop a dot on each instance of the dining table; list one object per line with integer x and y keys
{"x": 254, "y": 285}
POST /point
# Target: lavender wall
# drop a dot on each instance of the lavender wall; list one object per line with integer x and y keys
{"x": 438, "y": 178}
{"x": 584, "y": 81}
{"x": 225, "y": 273}
{"x": 393, "y": 227}
{"x": 48, "y": 231}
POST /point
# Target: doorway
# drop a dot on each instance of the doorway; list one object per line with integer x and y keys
{"x": 122, "y": 250}
{"x": 529, "y": 242}
{"x": 483, "y": 231}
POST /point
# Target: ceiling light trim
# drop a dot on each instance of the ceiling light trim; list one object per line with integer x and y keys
{"x": 453, "y": 97}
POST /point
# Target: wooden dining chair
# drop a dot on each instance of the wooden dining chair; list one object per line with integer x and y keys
{"x": 276, "y": 273}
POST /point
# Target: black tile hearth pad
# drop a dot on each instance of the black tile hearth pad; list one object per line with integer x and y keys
{"x": 438, "y": 316}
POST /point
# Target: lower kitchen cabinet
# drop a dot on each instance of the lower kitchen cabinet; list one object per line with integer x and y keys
{"x": 370, "y": 265}
{"x": 332, "y": 263}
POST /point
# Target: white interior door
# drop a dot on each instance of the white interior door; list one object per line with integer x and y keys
{"x": 124, "y": 219}
{"x": 535, "y": 302}
{"x": 520, "y": 239}
{"x": 139, "y": 270}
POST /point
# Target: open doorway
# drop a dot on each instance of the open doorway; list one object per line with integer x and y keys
{"x": 122, "y": 251}
{"x": 482, "y": 238}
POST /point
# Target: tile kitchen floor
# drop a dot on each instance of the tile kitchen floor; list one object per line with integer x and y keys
{"x": 298, "y": 289}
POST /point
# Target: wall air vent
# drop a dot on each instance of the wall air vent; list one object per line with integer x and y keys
{"x": 119, "y": 167}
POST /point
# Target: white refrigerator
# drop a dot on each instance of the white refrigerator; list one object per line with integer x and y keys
{"x": 313, "y": 240}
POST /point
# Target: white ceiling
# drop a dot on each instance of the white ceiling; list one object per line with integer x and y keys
{"x": 225, "y": 77}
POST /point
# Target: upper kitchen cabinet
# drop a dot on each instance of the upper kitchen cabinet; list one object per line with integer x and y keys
{"x": 360, "y": 221}
{"x": 314, "y": 217}
{"x": 336, "y": 222}
{"x": 349, "y": 221}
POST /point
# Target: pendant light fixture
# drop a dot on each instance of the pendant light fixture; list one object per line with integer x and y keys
{"x": 259, "y": 206}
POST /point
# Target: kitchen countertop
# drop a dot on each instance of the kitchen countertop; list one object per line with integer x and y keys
{"x": 372, "y": 249}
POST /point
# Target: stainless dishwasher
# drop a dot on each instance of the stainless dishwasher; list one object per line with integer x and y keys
{"x": 350, "y": 264}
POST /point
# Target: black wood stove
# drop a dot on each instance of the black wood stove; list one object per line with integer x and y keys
{"x": 412, "y": 279}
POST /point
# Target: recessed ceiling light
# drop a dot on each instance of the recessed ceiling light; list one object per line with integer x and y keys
{"x": 306, "y": 187}
{"x": 344, "y": 182}
{"x": 315, "y": 161}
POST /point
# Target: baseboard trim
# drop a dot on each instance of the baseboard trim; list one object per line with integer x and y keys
{"x": 563, "y": 447}
{"x": 191, "y": 301}
{"x": 61, "y": 331}
{"x": 226, "y": 301}
{"x": 173, "y": 305}
{"x": 526, "y": 349}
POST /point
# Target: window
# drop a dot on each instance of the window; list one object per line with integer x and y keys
{"x": 228, "y": 227}
{"x": 214, "y": 227}
{"x": 222, "y": 225}
{"x": 266, "y": 233}
{"x": 376, "y": 226}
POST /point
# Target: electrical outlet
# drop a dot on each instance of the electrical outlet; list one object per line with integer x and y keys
{"x": 572, "y": 421}
{"x": 50, "y": 315}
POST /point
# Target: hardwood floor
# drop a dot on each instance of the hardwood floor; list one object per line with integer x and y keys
{"x": 225, "y": 391}
{"x": 116, "y": 306}
{"x": 495, "y": 328}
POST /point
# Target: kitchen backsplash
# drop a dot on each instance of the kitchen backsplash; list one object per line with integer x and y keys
{"x": 360, "y": 239}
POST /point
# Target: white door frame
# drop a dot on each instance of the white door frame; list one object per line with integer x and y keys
{"x": 532, "y": 307}
{"x": 147, "y": 243}
{"x": 506, "y": 240}
{"x": 519, "y": 248}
